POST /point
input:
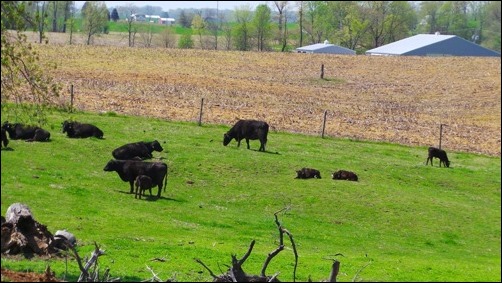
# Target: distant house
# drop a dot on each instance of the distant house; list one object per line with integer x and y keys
{"x": 152, "y": 19}
{"x": 432, "y": 45}
{"x": 167, "y": 21}
{"x": 325, "y": 48}
{"x": 138, "y": 17}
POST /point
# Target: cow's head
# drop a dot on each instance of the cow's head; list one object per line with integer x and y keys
{"x": 6, "y": 126}
{"x": 447, "y": 163}
{"x": 111, "y": 165}
{"x": 66, "y": 126}
{"x": 226, "y": 139}
{"x": 156, "y": 146}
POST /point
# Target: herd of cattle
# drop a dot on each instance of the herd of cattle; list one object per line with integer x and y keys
{"x": 130, "y": 164}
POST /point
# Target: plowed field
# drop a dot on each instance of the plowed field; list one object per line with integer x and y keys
{"x": 395, "y": 99}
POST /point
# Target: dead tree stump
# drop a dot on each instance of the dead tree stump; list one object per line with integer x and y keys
{"x": 21, "y": 233}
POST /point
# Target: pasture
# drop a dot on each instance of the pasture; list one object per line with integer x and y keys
{"x": 402, "y": 221}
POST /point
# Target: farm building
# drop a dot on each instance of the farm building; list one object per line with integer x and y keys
{"x": 325, "y": 48}
{"x": 432, "y": 45}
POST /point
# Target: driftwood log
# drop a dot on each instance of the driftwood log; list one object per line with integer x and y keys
{"x": 22, "y": 234}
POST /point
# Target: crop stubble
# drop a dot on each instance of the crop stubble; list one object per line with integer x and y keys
{"x": 395, "y": 99}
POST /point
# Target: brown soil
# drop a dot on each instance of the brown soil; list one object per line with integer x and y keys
{"x": 14, "y": 276}
{"x": 394, "y": 99}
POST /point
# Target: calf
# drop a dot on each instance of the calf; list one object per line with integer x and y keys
{"x": 344, "y": 175}
{"x": 249, "y": 130}
{"x": 19, "y": 131}
{"x": 307, "y": 173}
{"x": 129, "y": 170}
{"x": 141, "y": 150}
{"x": 5, "y": 140}
{"x": 79, "y": 130}
{"x": 438, "y": 153}
{"x": 143, "y": 183}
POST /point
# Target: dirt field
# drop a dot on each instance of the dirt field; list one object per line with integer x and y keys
{"x": 395, "y": 99}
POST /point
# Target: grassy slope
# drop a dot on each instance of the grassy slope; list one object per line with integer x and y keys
{"x": 409, "y": 221}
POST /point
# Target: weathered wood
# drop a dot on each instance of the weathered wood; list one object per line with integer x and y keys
{"x": 21, "y": 233}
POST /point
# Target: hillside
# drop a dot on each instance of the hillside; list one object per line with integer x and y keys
{"x": 396, "y": 99}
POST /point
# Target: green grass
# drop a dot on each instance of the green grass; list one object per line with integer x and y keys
{"x": 403, "y": 220}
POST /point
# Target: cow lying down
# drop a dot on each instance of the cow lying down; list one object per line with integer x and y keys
{"x": 307, "y": 173}
{"x": 75, "y": 129}
{"x": 20, "y": 131}
{"x": 137, "y": 150}
{"x": 344, "y": 175}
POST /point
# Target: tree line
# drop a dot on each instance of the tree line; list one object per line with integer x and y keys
{"x": 280, "y": 25}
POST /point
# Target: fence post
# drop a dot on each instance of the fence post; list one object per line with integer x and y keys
{"x": 71, "y": 98}
{"x": 322, "y": 71}
{"x": 200, "y": 113}
{"x": 440, "y": 134}
{"x": 324, "y": 123}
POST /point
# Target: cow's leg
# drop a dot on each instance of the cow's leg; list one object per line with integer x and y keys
{"x": 262, "y": 145}
{"x": 247, "y": 142}
{"x": 132, "y": 186}
{"x": 160, "y": 188}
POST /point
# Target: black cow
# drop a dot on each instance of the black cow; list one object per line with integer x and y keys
{"x": 141, "y": 150}
{"x": 5, "y": 140}
{"x": 143, "y": 183}
{"x": 438, "y": 153}
{"x": 344, "y": 175}
{"x": 249, "y": 130}
{"x": 19, "y": 131}
{"x": 307, "y": 173}
{"x": 129, "y": 170}
{"x": 75, "y": 129}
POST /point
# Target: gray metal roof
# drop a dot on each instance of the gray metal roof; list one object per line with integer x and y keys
{"x": 433, "y": 45}
{"x": 325, "y": 48}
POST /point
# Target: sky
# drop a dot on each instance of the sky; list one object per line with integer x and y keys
{"x": 167, "y": 5}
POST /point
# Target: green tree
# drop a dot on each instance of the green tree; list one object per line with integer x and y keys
{"x": 262, "y": 26}
{"x": 316, "y": 23}
{"x": 281, "y": 7}
{"x": 95, "y": 19}
{"x": 24, "y": 81}
{"x": 115, "y": 15}
{"x": 185, "y": 41}
{"x": 199, "y": 26}
{"x": 491, "y": 34}
{"x": 185, "y": 20}
{"x": 132, "y": 29}
{"x": 350, "y": 22}
{"x": 388, "y": 21}
{"x": 241, "y": 32}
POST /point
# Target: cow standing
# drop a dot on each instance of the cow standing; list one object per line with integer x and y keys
{"x": 80, "y": 130}
{"x": 19, "y": 131}
{"x": 438, "y": 153}
{"x": 129, "y": 170}
{"x": 143, "y": 183}
{"x": 138, "y": 150}
{"x": 249, "y": 130}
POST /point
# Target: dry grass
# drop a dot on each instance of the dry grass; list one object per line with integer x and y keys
{"x": 395, "y": 99}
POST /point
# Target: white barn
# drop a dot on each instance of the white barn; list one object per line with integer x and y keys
{"x": 325, "y": 48}
{"x": 432, "y": 45}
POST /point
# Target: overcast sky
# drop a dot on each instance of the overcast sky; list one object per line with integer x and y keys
{"x": 167, "y": 5}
